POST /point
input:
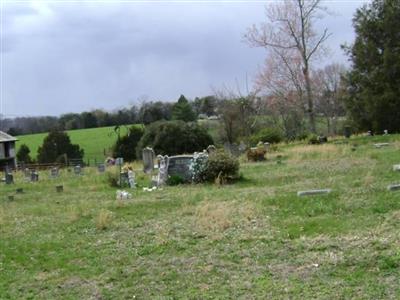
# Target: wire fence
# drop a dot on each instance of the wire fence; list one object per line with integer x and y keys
{"x": 69, "y": 163}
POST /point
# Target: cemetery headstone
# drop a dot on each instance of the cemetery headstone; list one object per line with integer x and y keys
{"x": 19, "y": 190}
{"x": 180, "y": 165}
{"x": 131, "y": 178}
{"x": 242, "y": 147}
{"x": 163, "y": 162}
{"x": 78, "y": 170}
{"x": 124, "y": 179}
{"x": 59, "y": 188}
{"x": 119, "y": 161}
{"x": 101, "y": 168}
{"x": 347, "y": 132}
{"x": 266, "y": 146}
{"x": 54, "y": 172}
{"x": 385, "y": 132}
{"x": 27, "y": 173}
{"x": 211, "y": 149}
{"x": 11, "y": 198}
{"x": 148, "y": 160}
{"x": 313, "y": 192}
{"x": 393, "y": 187}
{"x": 34, "y": 176}
{"x": 9, "y": 178}
{"x": 396, "y": 168}
{"x": 380, "y": 145}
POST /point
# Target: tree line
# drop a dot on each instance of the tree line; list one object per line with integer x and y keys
{"x": 146, "y": 113}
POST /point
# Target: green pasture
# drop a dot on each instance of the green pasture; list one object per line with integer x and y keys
{"x": 95, "y": 141}
{"x": 254, "y": 239}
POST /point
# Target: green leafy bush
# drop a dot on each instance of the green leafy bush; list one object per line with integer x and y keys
{"x": 174, "y": 137}
{"x": 126, "y": 146}
{"x": 269, "y": 134}
{"x": 221, "y": 165}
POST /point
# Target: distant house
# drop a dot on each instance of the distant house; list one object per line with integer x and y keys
{"x": 7, "y": 151}
{"x": 202, "y": 117}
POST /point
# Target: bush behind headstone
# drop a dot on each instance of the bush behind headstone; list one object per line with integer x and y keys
{"x": 174, "y": 137}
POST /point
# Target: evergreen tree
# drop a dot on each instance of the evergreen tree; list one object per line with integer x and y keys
{"x": 23, "y": 154}
{"x": 57, "y": 144}
{"x": 182, "y": 110}
{"x": 374, "y": 81}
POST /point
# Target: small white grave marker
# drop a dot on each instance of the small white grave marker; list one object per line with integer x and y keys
{"x": 396, "y": 167}
{"x": 393, "y": 187}
{"x": 380, "y": 145}
{"x": 313, "y": 192}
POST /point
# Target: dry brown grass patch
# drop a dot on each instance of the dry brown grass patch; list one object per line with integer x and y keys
{"x": 308, "y": 151}
{"x": 104, "y": 219}
{"x": 213, "y": 218}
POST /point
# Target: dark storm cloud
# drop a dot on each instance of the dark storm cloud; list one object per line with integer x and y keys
{"x": 62, "y": 57}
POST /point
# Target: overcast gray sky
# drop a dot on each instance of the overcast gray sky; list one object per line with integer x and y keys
{"x": 70, "y": 56}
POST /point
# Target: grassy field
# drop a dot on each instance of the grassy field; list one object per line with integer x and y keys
{"x": 254, "y": 239}
{"x": 94, "y": 141}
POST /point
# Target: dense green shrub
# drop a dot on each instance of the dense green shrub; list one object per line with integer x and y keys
{"x": 174, "y": 137}
{"x": 56, "y": 146}
{"x": 23, "y": 154}
{"x": 221, "y": 165}
{"x": 270, "y": 135}
{"x": 126, "y": 146}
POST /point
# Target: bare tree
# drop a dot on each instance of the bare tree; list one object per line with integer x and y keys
{"x": 289, "y": 35}
{"x": 329, "y": 90}
{"x": 238, "y": 113}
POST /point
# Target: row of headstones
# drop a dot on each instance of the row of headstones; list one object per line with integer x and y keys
{"x": 390, "y": 187}
{"x": 33, "y": 176}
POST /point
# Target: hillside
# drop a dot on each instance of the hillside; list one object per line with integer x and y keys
{"x": 254, "y": 239}
{"x": 94, "y": 141}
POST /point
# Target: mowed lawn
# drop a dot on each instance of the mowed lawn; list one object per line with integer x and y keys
{"x": 94, "y": 141}
{"x": 254, "y": 239}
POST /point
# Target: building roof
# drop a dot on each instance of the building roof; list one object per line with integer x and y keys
{"x": 4, "y": 137}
